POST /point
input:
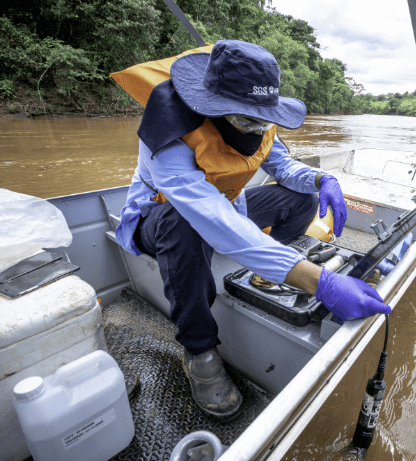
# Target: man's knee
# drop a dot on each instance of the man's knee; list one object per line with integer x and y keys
{"x": 305, "y": 204}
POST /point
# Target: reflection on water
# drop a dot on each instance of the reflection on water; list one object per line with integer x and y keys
{"x": 52, "y": 157}
{"x": 322, "y": 134}
{"x": 49, "y": 158}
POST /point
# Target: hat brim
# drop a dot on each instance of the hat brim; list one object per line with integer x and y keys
{"x": 187, "y": 75}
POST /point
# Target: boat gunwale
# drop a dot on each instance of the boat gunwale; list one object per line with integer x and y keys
{"x": 83, "y": 195}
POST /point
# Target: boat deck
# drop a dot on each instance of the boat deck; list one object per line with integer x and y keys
{"x": 141, "y": 339}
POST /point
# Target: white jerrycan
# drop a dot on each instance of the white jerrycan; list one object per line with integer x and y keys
{"x": 81, "y": 413}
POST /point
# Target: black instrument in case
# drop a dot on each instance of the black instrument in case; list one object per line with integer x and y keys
{"x": 288, "y": 303}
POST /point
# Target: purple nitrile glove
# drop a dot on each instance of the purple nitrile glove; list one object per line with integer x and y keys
{"x": 330, "y": 193}
{"x": 349, "y": 298}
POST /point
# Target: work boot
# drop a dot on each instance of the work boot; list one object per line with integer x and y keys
{"x": 212, "y": 388}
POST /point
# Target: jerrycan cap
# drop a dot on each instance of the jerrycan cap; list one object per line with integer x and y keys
{"x": 29, "y": 388}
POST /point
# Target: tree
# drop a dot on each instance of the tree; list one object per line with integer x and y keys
{"x": 358, "y": 88}
{"x": 408, "y": 107}
{"x": 114, "y": 34}
{"x": 394, "y": 104}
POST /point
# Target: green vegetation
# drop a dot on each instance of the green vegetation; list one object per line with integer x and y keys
{"x": 59, "y": 53}
{"x": 390, "y": 104}
{"x": 7, "y": 90}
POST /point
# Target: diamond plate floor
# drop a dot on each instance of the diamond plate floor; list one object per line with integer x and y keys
{"x": 356, "y": 240}
{"x": 141, "y": 339}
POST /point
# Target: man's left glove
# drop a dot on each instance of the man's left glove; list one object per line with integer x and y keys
{"x": 331, "y": 194}
{"x": 348, "y": 298}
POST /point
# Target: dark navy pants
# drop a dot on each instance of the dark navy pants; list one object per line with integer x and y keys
{"x": 184, "y": 257}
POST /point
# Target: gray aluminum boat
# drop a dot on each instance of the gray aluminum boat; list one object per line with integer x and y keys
{"x": 294, "y": 365}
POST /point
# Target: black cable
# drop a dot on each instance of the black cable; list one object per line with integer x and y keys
{"x": 379, "y": 376}
{"x": 387, "y": 334}
{"x": 373, "y": 398}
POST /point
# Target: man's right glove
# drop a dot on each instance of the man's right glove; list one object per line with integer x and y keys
{"x": 331, "y": 193}
{"x": 349, "y": 298}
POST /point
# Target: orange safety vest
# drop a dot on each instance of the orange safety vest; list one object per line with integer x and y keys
{"x": 223, "y": 166}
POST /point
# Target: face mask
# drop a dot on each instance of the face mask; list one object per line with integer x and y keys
{"x": 244, "y": 143}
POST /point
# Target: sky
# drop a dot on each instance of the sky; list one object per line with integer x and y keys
{"x": 374, "y": 38}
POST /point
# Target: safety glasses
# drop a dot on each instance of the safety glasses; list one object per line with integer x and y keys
{"x": 248, "y": 125}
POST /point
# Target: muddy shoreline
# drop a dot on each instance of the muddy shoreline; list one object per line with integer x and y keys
{"x": 28, "y": 104}
{"x": 23, "y": 116}
{"x": 22, "y": 111}
{"x": 102, "y": 102}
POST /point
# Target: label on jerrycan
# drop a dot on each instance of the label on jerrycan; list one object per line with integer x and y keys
{"x": 88, "y": 429}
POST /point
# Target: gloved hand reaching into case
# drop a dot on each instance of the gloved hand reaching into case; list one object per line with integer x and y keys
{"x": 347, "y": 297}
{"x": 331, "y": 194}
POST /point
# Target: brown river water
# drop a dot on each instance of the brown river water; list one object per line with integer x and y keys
{"x": 54, "y": 157}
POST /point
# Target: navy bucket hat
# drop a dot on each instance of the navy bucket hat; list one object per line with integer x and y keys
{"x": 236, "y": 78}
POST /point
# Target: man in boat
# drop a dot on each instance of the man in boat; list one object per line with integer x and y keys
{"x": 204, "y": 134}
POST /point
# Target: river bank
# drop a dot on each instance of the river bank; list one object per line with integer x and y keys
{"x": 92, "y": 101}
{"x": 96, "y": 101}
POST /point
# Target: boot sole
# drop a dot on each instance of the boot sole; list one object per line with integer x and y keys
{"x": 221, "y": 417}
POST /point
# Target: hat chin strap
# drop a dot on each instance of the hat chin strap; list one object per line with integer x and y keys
{"x": 244, "y": 143}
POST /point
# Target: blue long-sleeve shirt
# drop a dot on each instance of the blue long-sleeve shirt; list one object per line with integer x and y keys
{"x": 225, "y": 226}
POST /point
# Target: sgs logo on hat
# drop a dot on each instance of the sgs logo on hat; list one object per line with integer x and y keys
{"x": 259, "y": 90}
{"x": 262, "y": 90}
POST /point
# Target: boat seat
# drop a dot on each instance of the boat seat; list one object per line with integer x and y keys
{"x": 111, "y": 235}
{"x": 145, "y": 278}
{"x": 39, "y": 332}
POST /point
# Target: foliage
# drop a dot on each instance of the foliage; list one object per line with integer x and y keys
{"x": 114, "y": 33}
{"x": 7, "y": 90}
{"x": 27, "y": 58}
{"x": 357, "y": 88}
{"x": 408, "y": 107}
{"x": 293, "y": 59}
{"x": 391, "y": 104}
{"x": 73, "y": 45}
